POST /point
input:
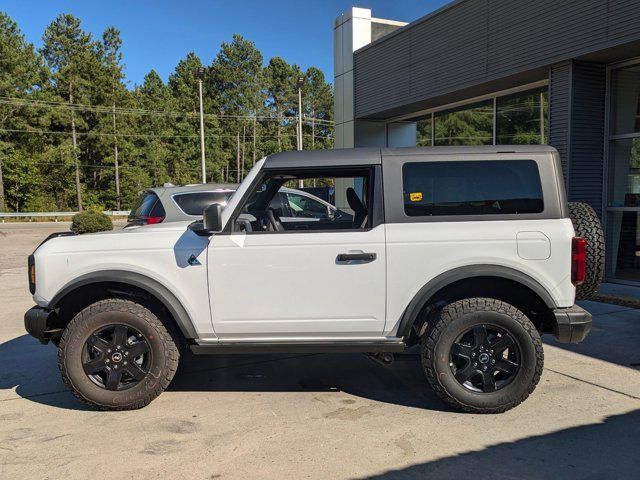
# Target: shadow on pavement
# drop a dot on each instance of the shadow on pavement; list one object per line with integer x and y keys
{"x": 32, "y": 369}
{"x": 601, "y": 450}
{"x": 402, "y": 383}
{"x": 614, "y": 336}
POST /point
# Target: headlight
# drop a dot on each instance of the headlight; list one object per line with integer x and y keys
{"x": 31, "y": 264}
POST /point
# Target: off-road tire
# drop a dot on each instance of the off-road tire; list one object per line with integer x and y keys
{"x": 450, "y": 321}
{"x": 165, "y": 355}
{"x": 587, "y": 225}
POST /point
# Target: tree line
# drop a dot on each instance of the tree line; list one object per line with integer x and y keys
{"x": 73, "y": 135}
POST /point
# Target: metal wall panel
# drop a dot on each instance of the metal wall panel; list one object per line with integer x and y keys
{"x": 474, "y": 42}
{"x": 576, "y": 127}
{"x": 559, "y": 120}
{"x": 587, "y": 134}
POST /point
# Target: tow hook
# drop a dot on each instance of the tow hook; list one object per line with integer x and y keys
{"x": 385, "y": 358}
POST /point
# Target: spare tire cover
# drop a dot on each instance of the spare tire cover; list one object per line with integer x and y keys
{"x": 587, "y": 225}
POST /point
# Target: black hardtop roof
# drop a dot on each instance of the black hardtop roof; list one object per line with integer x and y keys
{"x": 373, "y": 156}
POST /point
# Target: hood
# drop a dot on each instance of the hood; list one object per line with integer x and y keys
{"x": 156, "y": 236}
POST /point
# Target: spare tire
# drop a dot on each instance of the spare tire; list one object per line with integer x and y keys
{"x": 587, "y": 225}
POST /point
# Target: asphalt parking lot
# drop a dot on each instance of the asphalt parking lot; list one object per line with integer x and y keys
{"x": 315, "y": 416}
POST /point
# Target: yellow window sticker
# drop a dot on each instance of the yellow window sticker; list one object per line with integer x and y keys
{"x": 415, "y": 196}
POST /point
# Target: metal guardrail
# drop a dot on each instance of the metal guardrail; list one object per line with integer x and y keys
{"x": 56, "y": 215}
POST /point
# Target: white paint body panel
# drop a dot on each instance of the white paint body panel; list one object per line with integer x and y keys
{"x": 266, "y": 286}
{"x": 159, "y": 252}
{"x": 418, "y": 252}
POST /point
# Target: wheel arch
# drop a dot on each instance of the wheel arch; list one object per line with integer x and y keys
{"x": 140, "y": 283}
{"x": 469, "y": 275}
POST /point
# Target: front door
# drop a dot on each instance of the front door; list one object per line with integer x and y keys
{"x": 271, "y": 281}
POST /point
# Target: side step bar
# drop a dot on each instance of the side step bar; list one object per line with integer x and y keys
{"x": 285, "y": 347}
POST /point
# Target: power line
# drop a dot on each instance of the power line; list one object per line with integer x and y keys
{"x": 145, "y": 135}
{"x": 23, "y": 102}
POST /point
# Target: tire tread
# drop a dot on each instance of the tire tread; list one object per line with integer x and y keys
{"x": 441, "y": 319}
{"x": 587, "y": 225}
{"x": 172, "y": 354}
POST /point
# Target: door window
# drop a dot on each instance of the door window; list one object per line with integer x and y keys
{"x": 332, "y": 199}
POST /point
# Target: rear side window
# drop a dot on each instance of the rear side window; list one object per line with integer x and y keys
{"x": 472, "y": 188}
{"x": 144, "y": 207}
{"x": 194, "y": 203}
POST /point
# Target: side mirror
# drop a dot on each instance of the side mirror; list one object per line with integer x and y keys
{"x": 212, "y": 218}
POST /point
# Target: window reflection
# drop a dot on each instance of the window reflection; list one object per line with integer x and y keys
{"x": 424, "y": 132}
{"x": 472, "y": 125}
{"x": 522, "y": 118}
{"x": 623, "y": 222}
{"x": 625, "y": 105}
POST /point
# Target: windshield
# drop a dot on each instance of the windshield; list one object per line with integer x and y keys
{"x": 232, "y": 203}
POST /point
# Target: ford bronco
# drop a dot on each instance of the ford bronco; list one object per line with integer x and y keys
{"x": 470, "y": 253}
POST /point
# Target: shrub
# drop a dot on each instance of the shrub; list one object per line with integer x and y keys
{"x": 90, "y": 222}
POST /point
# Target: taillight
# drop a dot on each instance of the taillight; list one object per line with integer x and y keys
{"x": 578, "y": 260}
{"x": 152, "y": 220}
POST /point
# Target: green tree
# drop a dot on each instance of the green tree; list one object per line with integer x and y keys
{"x": 21, "y": 72}
{"x": 236, "y": 77}
{"x": 73, "y": 57}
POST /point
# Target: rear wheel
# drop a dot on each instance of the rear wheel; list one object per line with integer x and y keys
{"x": 117, "y": 355}
{"x": 482, "y": 355}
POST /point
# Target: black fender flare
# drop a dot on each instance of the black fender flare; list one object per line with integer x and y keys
{"x": 447, "y": 278}
{"x": 151, "y": 286}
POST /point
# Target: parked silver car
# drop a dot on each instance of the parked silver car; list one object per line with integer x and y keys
{"x": 174, "y": 204}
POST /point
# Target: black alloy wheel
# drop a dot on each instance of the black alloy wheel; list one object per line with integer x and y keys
{"x": 485, "y": 359}
{"x": 116, "y": 357}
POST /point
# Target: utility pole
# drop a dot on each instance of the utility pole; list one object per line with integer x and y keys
{"x": 117, "y": 165}
{"x": 244, "y": 137}
{"x": 200, "y": 74}
{"x": 299, "y": 85}
{"x": 74, "y": 141}
{"x": 255, "y": 122}
{"x": 313, "y": 128}
{"x": 1, "y": 188}
{"x": 238, "y": 157}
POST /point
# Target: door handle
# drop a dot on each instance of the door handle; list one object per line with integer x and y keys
{"x": 362, "y": 257}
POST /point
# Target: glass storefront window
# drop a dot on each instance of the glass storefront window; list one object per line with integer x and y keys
{"x": 624, "y": 176}
{"x": 625, "y": 104}
{"x": 521, "y": 119}
{"x": 424, "y": 132}
{"x": 623, "y": 183}
{"x": 472, "y": 125}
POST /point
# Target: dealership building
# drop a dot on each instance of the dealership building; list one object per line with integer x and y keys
{"x": 479, "y": 72}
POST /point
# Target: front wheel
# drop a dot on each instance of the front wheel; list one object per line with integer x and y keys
{"x": 482, "y": 355}
{"x": 117, "y": 355}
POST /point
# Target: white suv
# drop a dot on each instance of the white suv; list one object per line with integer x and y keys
{"x": 467, "y": 251}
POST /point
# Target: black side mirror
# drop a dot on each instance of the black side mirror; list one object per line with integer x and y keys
{"x": 212, "y": 218}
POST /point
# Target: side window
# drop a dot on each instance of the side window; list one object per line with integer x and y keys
{"x": 144, "y": 204}
{"x": 302, "y": 206}
{"x": 329, "y": 200}
{"x": 493, "y": 187}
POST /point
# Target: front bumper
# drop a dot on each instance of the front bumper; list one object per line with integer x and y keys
{"x": 572, "y": 324}
{"x": 38, "y": 323}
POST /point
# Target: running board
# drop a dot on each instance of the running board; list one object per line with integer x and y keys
{"x": 310, "y": 347}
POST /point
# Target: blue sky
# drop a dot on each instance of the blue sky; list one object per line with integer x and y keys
{"x": 158, "y": 33}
